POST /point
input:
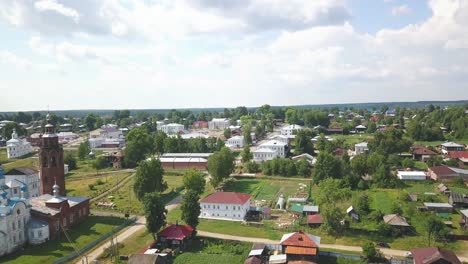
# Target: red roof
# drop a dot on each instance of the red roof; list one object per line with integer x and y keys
{"x": 442, "y": 170}
{"x": 176, "y": 232}
{"x": 423, "y": 151}
{"x": 457, "y": 155}
{"x": 299, "y": 239}
{"x": 374, "y": 118}
{"x": 433, "y": 254}
{"x": 226, "y": 198}
{"x": 314, "y": 219}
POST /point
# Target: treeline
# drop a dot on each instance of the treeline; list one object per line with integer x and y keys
{"x": 285, "y": 167}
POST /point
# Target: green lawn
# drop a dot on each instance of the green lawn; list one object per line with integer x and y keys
{"x": 126, "y": 201}
{"x": 26, "y": 162}
{"x": 82, "y": 235}
{"x": 80, "y": 186}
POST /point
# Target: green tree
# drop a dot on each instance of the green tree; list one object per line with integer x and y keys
{"x": 227, "y": 133}
{"x": 362, "y": 203}
{"x": 246, "y": 155}
{"x": 99, "y": 163}
{"x": 370, "y": 253}
{"x": 149, "y": 178}
{"x": 359, "y": 165}
{"x": 139, "y": 144}
{"x": 326, "y": 166}
{"x": 407, "y": 163}
{"x": 329, "y": 192}
{"x": 155, "y": 212}
{"x": 303, "y": 168}
{"x": 90, "y": 121}
{"x": 194, "y": 181}
{"x": 83, "y": 150}
{"x": 372, "y": 127}
{"x": 190, "y": 207}
{"x": 247, "y": 136}
{"x": 252, "y": 167}
{"x": 220, "y": 165}
{"x": 332, "y": 218}
{"x": 303, "y": 143}
{"x": 435, "y": 229}
{"x": 70, "y": 160}
{"x": 159, "y": 138}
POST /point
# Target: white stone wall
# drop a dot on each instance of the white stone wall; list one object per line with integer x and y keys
{"x": 13, "y": 227}
{"x": 32, "y": 182}
{"x": 172, "y": 128}
{"x": 259, "y": 156}
{"x": 38, "y": 235}
{"x": 233, "y": 212}
{"x": 219, "y": 124}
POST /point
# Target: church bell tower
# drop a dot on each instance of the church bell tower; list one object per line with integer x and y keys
{"x": 51, "y": 161}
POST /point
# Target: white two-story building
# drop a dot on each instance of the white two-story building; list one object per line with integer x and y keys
{"x": 17, "y": 147}
{"x": 290, "y": 130}
{"x": 231, "y": 206}
{"x": 361, "y": 148}
{"x": 219, "y": 123}
{"x": 172, "y": 128}
{"x": 270, "y": 150}
{"x": 235, "y": 142}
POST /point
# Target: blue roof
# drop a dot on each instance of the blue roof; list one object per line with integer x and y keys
{"x": 2, "y": 174}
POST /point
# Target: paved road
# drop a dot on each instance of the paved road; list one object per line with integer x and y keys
{"x": 386, "y": 251}
{"x": 137, "y": 226}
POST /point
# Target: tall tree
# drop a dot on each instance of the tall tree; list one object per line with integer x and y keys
{"x": 435, "y": 229}
{"x": 99, "y": 163}
{"x": 194, "y": 181}
{"x": 70, "y": 160}
{"x": 155, "y": 213}
{"x": 246, "y": 155}
{"x": 303, "y": 143}
{"x": 247, "y": 136}
{"x": 326, "y": 166}
{"x": 159, "y": 138}
{"x": 190, "y": 207}
{"x": 83, "y": 150}
{"x": 139, "y": 144}
{"x": 220, "y": 165}
{"x": 149, "y": 178}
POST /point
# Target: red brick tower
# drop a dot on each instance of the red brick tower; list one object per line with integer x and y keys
{"x": 51, "y": 161}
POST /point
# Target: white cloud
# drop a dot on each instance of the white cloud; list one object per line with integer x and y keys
{"x": 400, "y": 10}
{"x": 52, "y": 5}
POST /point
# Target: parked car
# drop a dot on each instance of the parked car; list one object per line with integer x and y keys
{"x": 383, "y": 245}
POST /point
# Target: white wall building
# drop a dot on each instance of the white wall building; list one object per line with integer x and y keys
{"x": 235, "y": 142}
{"x": 17, "y": 147}
{"x": 412, "y": 175}
{"x": 225, "y": 206}
{"x": 282, "y": 138}
{"x": 172, "y": 128}
{"x": 38, "y": 232}
{"x": 219, "y": 123}
{"x": 107, "y": 136}
{"x": 278, "y": 146}
{"x": 15, "y": 178}
{"x": 264, "y": 154}
{"x": 361, "y": 148}
{"x": 290, "y": 129}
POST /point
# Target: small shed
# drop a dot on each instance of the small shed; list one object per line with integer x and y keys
{"x": 310, "y": 209}
{"x": 278, "y": 259}
{"x": 353, "y": 213}
{"x": 297, "y": 208}
{"x": 314, "y": 220}
{"x": 439, "y": 207}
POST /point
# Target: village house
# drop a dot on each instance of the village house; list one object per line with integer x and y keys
{"x": 439, "y": 207}
{"x": 307, "y": 157}
{"x": 225, "y": 206}
{"x": 434, "y": 255}
{"x": 396, "y": 221}
{"x": 176, "y": 236}
{"x": 108, "y": 136}
{"x": 458, "y": 199}
{"x": 460, "y": 156}
{"x": 34, "y": 139}
{"x": 193, "y": 135}
{"x": 300, "y": 246}
{"x": 390, "y": 113}
{"x": 17, "y": 147}
{"x": 445, "y": 173}
{"x": 200, "y": 125}
{"x": 422, "y": 153}
{"x": 361, "y": 148}
{"x": 451, "y": 146}
{"x": 314, "y": 220}
{"x": 411, "y": 175}
{"x": 219, "y": 124}
{"x": 264, "y": 154}
{"x": 351, "y": 212}
{"x": 290, "y": 130}
{"x": 282, "y": 138}
{"x": 235, "y": 142}
{"x": 360, "y": 129}
{"x": 464, "y": 219}
{"x": 172, "y": 129}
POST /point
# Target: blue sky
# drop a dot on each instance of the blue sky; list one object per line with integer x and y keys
{"x": 116, "y": 54}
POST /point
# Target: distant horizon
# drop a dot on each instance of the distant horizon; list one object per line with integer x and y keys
{"x": 325, "y": 105}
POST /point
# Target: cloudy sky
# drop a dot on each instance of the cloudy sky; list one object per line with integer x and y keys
{"x": 108, "y": 54}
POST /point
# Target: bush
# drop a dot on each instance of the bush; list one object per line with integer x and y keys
{"x": 370, "y": 253}
{"x": 252, "y": 167}
{"x": 91, "y": 187}
{"x": 99, "y": 182}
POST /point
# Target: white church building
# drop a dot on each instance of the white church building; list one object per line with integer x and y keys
{"x": 17, "y": 147}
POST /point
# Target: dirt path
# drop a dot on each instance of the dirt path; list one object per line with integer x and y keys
{"x": 117, "y": 186}
{"x": 137, "y": 226}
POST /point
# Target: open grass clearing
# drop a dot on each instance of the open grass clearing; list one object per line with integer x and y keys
{"x": 100, "y": 184}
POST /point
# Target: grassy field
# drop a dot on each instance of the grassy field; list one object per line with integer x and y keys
{"x": 81, "y": 186}
{"x": 126, "y": 201}
{"x": 82, "y": 235}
